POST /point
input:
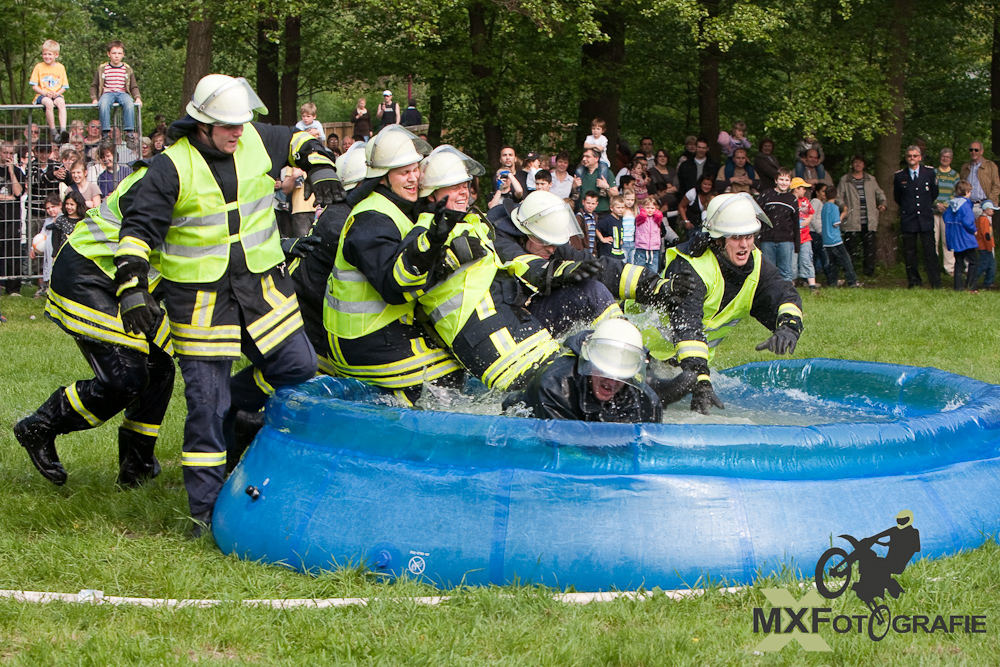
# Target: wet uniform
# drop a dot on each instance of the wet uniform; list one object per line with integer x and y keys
{"x": 383, "y": 265}
{"x": 589, "y": 302}
{"x": 132, "y": 372}
{"x": 225, "y": 285}
{"x": 560, "y": 391}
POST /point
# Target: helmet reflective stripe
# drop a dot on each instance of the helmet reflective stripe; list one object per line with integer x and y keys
{"x": 734, "y": 214}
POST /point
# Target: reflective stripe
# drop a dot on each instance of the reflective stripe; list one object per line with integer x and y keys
{"x": 207, "y": 333}
{"x": 81, "y": 320}
{"x": 730, "y": 323}
{"x": 257, "y": 205}
{"x": 203, "y": 459}
{"x": 262, "y": 384}
{"x": 629, "y": 281}
{"x": 448, "y": 307}
{"x": 401, "y": 274}
{"x": 691, "y": 348}
{"x": 108, "y": 215}
{"x": 508, "y": 349}
{"x": 348, "y": 275}
{"x": 267, "y": 343}
{"x": 132, "y": 246}
{"x": 151, "y": 430}
{"x": 789, "y": 309}
{"x": 355, "y": 307}
{"x": 227, "y": 350}
{"x": 99, "y": 235}
{"x": 611, "y": 312}
{"x": 204, "y": 308}
{"x": 251, "y": 241}
{"x": 486, "y": 308}
{"x": 271, "y": 293}
{"x": 77, "y": 404}
{"x": 210, "y": 220}
{"x": 516, "y": 357}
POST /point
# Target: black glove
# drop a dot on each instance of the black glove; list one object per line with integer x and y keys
{"x": 782, "y": 341}
{"x": 571, "y": 273}
{"x": 139, "y": 311}
{"x": 324, "y": 183}
{"x": 444, "y": 221}
{"x": 461, "y": 250}
{"x": 698, "y": 243}
{"x": 785, "y": 336}
{"x": 703, "y": 397}
{"x": 300, "y": 246}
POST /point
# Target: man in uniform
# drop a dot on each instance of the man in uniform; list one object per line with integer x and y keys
{"x": 383, "y": 265}
{"x": 915, "y": 189}
{"x": 730, "y": 279}
{"x": 132, "y": 371}
{"x": 208, "y": 208}
{"x": 573, "y": 287}
{"x": 475, "y": 302}
{"x": 601, "y": 378}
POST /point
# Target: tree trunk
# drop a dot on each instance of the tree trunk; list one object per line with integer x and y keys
{"x": 890, "y": 144}
{"x": 995, "y": 86}
{"x": 435, "y": 110}
{"x": 601, "y": 89}
{"x": 708, "y": 85}
{"x": 268, "y": 56}
{"x": 198, "y": 62}
{"x": 484, "y": 73}
{"x": 290, "y": 72}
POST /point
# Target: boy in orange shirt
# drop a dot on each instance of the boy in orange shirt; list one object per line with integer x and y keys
{"x": 49, "y": 80}
{"x": 986, "y": 266}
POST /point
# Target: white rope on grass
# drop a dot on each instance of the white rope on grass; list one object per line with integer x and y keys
{"x": 93, "y": 596}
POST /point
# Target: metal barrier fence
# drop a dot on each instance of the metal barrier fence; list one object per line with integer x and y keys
{"x": 33, "y": 167}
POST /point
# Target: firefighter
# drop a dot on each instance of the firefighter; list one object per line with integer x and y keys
{"x": 312, "y": 271}
{"x": 730, "y": 279}
{"x": 476, "y": 302}
{"x": 207, "y": 206}
{"x": 383, "y": 265}
{"x": 602, "y": 378}
{"x": 132, "y": 371}
{"x": 573, "y": 286}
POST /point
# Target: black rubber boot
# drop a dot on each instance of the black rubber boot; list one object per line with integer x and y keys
{"x": 202, "y": 524}
{"x": 136, "y": 462}
{"x": 37, "y": 434}
{"x": 245, "y": 427}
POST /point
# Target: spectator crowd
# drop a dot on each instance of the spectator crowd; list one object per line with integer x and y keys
{"x": 820, "y": 226}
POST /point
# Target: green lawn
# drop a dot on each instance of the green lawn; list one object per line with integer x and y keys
{"x": 89, "y": 535}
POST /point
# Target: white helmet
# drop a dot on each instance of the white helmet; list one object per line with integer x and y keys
{"x": 394, "y": 146}
{"x": 446, "y": 165}
{"x": 614, "y": 350}
{"x": 734, "y": 214}
{"x": 545, "y": 216}
{"x": 351, "y": 167}
{"x": 224, "y": 100}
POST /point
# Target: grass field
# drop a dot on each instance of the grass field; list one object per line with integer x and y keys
{"x": 89, "y": 535}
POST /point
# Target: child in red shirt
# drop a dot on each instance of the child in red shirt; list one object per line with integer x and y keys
{"x": 806, "y": 212}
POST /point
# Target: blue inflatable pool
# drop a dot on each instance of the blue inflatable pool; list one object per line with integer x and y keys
{"x": 338, "y": 477}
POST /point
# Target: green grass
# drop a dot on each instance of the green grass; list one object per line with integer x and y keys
{"x": 88, "y": 535}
